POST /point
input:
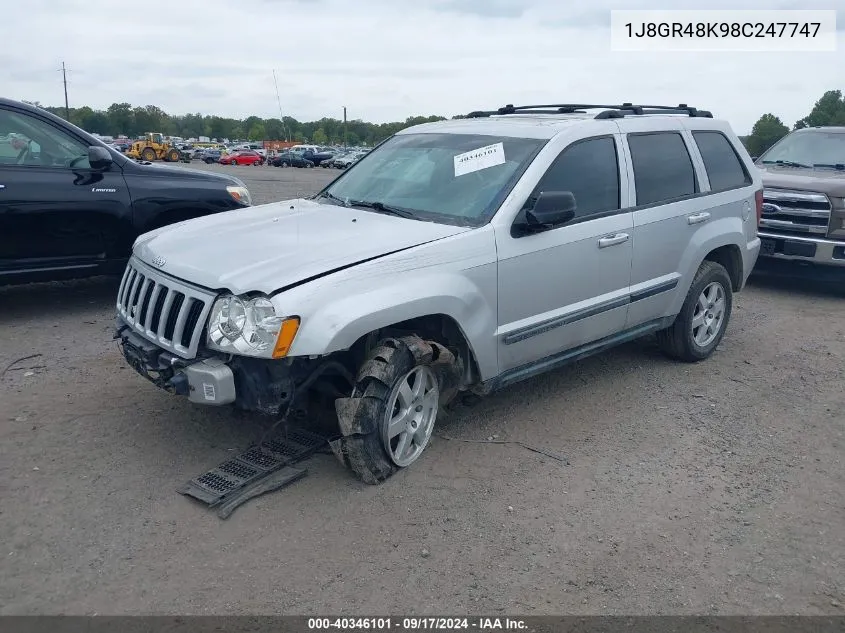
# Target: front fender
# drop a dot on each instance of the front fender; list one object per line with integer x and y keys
{"x": 468, "y": 297}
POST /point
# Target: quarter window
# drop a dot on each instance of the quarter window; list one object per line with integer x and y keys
{"x": 590, "y": 170}
{"x": 663, "y": 168}
{"x": 723, "y": 166}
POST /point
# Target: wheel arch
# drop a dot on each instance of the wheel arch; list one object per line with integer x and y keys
{"x": 730, "y": 257}
{"x": 439, "y": 327}
{"x": 460, "y": 318}
{"x": 720, "y": 242}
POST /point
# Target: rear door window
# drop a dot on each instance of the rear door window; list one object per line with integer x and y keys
{"x": 663, "y": 169}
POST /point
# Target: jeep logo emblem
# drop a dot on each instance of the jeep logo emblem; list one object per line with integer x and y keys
{"x": 769, "y": 207}
{"x": 159, "y": 261}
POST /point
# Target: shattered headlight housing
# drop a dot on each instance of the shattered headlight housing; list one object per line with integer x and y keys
{"x": 249, "y": 326}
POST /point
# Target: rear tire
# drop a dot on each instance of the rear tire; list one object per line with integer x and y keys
{"x": 700, "y": 325}
{"x": 406, "y": 376}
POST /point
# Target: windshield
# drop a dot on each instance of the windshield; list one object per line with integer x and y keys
{"x": 816, "y": 147}
{"x": 452, "y": 178}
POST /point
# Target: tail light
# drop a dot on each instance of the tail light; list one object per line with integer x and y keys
{"x": 758, "y": 199}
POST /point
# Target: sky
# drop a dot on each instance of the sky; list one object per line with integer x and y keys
{"x": 386, "y": 60}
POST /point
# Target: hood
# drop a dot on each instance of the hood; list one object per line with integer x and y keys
{"x": 827, "y": 181}
{"x": 268, "y": 247}
{"x": 164, "y": 170}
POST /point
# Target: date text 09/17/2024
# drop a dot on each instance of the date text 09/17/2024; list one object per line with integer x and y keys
{"x": 481, "y": 624}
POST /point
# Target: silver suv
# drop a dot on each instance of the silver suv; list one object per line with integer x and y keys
{"x": 461, "y": 255}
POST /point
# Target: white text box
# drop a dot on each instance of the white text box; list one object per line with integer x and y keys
{"x": 723, "y": 31}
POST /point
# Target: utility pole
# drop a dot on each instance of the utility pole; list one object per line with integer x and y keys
{"x": 344, "y": 127}
{"x": 279, "y": 100}
{"x": 64, "y": 80}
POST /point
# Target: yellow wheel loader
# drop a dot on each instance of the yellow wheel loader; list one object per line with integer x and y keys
{"x": 154, "y": 147}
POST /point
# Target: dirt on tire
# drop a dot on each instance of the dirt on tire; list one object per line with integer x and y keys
{"x": 360, "y": 447}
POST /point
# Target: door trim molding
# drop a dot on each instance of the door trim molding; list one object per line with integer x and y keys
{"x": 542, "y": 327}
{"x": 561, "y": 359}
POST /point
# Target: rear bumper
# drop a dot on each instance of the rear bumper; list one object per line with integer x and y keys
{"x": 812, "y": 250}
{"x": 750, "y": 256}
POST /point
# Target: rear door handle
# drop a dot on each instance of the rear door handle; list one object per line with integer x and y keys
{"x": 613, "y": 240}
{"x": 698, "y": 218}
{"x": 2, "y": 186}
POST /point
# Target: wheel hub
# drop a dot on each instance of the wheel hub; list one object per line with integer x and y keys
{"x": 409, "y": 416}
{"x": 708, "y": 317}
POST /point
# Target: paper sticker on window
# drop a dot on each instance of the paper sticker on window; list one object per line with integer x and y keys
{"x": 481, "y": 158}
{"x": 208, "y": 391}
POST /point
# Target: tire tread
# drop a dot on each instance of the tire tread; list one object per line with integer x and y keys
{"x": 362, "y": 452}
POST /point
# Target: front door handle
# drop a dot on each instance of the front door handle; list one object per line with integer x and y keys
{"x": 698, "y": 218}
{"x": 2, "y": 186}
{"x": 613, "y": 240}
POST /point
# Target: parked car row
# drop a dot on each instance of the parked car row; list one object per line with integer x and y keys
{"x": 303, "y": 156}
{"x": 345, "y": 159}
{"x": 291, "y": 159}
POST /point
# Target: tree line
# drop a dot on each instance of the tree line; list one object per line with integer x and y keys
{"x": 123, "y": 118}
{"x": 829, "y": 110}
{"x": 133, "y": 121}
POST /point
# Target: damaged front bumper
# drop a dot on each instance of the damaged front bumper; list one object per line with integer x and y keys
{"x": 204, "y": 381}
{"x": 251, "y": 384}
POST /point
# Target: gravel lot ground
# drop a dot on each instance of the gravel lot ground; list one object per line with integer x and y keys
{"x": 710, "y": 488}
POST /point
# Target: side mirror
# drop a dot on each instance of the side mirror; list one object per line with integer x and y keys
{"x": 99, "y": 157}
{"x": 552, "y": 208}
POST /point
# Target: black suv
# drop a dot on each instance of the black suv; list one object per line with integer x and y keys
{"x": 71, "y": 206}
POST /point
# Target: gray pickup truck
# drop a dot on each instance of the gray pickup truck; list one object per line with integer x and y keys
{"x": 461, "y": 255}
{"x": 803, "y": 219}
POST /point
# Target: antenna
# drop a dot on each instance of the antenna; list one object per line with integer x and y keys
{"x": 279, "y": 100}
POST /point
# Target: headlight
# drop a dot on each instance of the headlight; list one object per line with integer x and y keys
{"x": 250, "y": 327}
{"x": 241, "y": 194}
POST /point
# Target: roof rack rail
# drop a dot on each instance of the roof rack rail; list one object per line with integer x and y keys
{"x": 608, "y": 111}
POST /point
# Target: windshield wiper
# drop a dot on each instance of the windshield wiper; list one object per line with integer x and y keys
{"x": 837, "y": 166}
{"x": 786, "y": 163}
{"x": 331, "y": 196}
{"x": 382, "y": 208}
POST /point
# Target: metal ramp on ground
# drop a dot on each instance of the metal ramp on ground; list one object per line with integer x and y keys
{"x": 262, "y": 468}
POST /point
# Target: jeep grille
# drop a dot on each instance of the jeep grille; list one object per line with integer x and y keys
{"x": 168, "y": 312}
{"x": 789, "y": 212}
